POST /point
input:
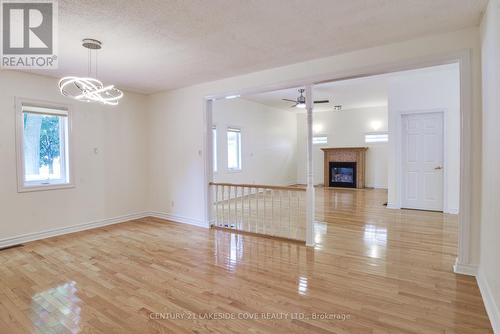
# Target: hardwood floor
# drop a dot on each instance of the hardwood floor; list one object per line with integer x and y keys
{"x": 373, "y": 270}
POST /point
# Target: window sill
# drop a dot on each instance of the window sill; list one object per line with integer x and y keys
{"x": 41, "y": 187}
{"x": 234, "y": 170}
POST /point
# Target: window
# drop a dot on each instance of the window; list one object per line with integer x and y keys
{"x": 233, "y": 149}
{"x": 377, "y": 137}
{"x": 43, "y": 147}
{"x": 214, "y": 148}
{"x": 320, "y": 140}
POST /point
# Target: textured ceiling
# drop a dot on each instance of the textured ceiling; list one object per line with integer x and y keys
{"x": 156, "y": 45}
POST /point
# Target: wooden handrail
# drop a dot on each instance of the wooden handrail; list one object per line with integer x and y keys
{"x": 264, "y": 186}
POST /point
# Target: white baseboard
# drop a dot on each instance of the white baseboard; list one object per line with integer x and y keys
{"x": 7, "y": 242}
{"x": 489, "y": 301}
{"x": 465, "y": 269}
{"x": 392, "y": 206}
{"x": 178, "y": 219}
{"x": 376, "y": 186}
{"x": 20, "y": 239}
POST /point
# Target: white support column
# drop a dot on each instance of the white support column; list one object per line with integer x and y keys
{"x": 310, "y": 183}
{"x": 210, "y": 217}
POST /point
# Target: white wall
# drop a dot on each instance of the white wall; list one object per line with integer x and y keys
{"x": 110, "y": 184}
{"x": 489, "y": 270}
{"x": 269, "y": 139}
{"x": 177, "y": 171}
{"x": 434, "y": 89}
{"x": 346, "y": 128}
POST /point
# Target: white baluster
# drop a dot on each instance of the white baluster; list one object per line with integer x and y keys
{"x": 299, "y": 221}
{"x": 231, "y": 221}
{"x": 280, "y": 212}
{"x": 242, "y": 217}
{"x": 271, "y": 225}
{"x": 222, "y": 202}
{"x": 263, "y": 212}
{"x": 289, "y": 213}
{"x": 257, "y": 209}
{"x": 216, "y": 204}
{"x": 235, "y": 204}
{"x": 237, "y": 209}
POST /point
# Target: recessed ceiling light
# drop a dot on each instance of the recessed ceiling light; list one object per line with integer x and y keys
{"x": 230, "y": 97}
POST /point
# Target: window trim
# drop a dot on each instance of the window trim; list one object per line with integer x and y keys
{"x": 240, "y": 148}
{"x": 320, "y": 136}
{"x": 21, "y": 184}
{"x": 377, "y": 133}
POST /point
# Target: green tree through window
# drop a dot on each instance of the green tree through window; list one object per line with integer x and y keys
{"x": 49, "y": 141}
{"x": 49, "y": 138}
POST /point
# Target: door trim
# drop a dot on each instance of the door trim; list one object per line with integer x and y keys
{"x": 399, "y": 152}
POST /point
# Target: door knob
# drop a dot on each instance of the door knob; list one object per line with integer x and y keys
{"x": 438, "y": 167}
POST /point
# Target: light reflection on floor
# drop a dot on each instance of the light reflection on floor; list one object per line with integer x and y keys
{"x": 236, "y": 249}
{"x": 320, "y": 229}
{"x": 302, "y": 285}
{"x": 375, "y": 240}
{"x": 229, "y": 250}
{"x": 56, "y": 310}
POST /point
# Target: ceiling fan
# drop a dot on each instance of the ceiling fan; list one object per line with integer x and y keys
{"x": 301, "y": 100}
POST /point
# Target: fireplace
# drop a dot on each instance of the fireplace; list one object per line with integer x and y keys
{"x": 342, "y": 174}
{"x": 344, "y": 167}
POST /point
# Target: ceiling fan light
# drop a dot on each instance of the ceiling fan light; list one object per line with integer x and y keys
{"x": 301, "y": 105}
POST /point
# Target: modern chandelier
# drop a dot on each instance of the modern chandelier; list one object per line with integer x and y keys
{"x": 88, "y": 89}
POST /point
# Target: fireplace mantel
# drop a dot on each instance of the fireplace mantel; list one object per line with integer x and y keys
{"x": 345, "y": 154}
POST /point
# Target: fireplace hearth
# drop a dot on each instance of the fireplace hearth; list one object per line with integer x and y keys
{"x": 342, "y": 174}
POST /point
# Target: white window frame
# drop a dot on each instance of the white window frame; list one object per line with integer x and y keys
{"x": 215, "y": 149}
{"x": 377, "y": 136}
{"x": 240, "y": 145}
{"x": 315, "y": 142}
{"x": 66, "y": 160}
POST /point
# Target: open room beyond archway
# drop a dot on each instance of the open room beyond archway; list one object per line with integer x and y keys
{"x": 359, "y": 116}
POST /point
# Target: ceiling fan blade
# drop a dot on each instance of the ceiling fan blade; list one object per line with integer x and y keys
{"x": 294, "y": 105}
{"x": 289, "y": 100}
{"x": 322, "y": 101}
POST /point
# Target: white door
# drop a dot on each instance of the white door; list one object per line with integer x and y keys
{"x": 422, "y": 161}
